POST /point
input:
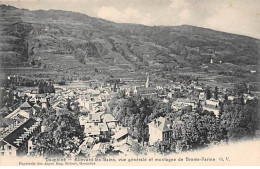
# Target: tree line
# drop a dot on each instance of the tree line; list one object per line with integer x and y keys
{"x": 45, "y": 87}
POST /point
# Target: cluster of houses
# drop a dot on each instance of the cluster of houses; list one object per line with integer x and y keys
{"x": 103, "y": 133}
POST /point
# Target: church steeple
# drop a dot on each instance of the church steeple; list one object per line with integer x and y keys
{"x": 147, "y": 81}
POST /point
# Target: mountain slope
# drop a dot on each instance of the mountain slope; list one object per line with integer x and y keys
{"x": 75, "y": 43}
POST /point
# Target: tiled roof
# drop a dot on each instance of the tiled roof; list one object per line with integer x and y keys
{"x": 22, "y": 129}
{"x": 161, "y": 123}
{"x": 108, "y": 118}
{"x": 14, "y": 113}
{"x": 26, "y": 105}
{"x": 4, "y": 122}
{"x": 95, "y": 117}
{"x": 92, "y": 130}
{"x": 121, "y": 133}
{"x": 111, "y": 125}
{"x": 145, "y": 89}
{"x": 58, "y": 105}
{"x": 185, "y": 100}
{"x": 103, "y": 126}
{"x": 25, "y": 114}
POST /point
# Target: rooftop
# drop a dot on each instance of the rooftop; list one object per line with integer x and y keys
{"x": 161, "y": 123}
{"x": 21, "y": 133}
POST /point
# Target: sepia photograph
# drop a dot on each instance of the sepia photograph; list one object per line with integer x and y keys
{"x": 129, "y": 83}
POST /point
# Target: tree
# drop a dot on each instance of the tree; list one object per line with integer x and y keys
{"x": 216, "y": 93}
{"x": 136, "y": 148}
{"x": 134, "y": 110}
{"x": 208, "y": 94}
{"x": 240, "y": 89}
{"x": 41, "y": 88}
{"x": 193, "y": 130}
{"x": 52, "y": 89}
{"x": 225, "y": 97}
{"x": 68, "y": 104}
{"x": 62, "y": 133}
{"x": 62, "y": 81}
{"x": 241, "y": 121}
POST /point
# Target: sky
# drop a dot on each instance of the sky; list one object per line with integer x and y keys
{"x": 233, "y": 16}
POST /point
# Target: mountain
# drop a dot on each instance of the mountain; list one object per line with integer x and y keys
{"x": 76, "y": 44}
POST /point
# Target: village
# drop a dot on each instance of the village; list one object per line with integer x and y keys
{"x": 103, "y": 133}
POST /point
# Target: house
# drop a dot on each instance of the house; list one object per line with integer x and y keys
{"x": 23, "y": 112}
{"x": 98, "y": 125}
{"x": 92, "y": 130}
{"x": 212, "y": 105}
{"x": 33, "y": 93}
{"x": 122, "y": 141}
{"x": 110, "y": 121}
{"x": 44, "y": 103}
{"x": 95, "y": 117}
{"x": 31, "y": 146}
{"x": 86, "y": 147}
{"x": 26, "y": 106}
{"x": 160, "y": 129}
{"x": 15, "y": 142}
{"x": 231, "y": 98}
{"x": 181, "y": 103}
{"x": 104, "y": 131}
{"x": 5, "y": 123}
{"x": 17, "y": 116}
{"x": 248, "y": 97}
{"x": 101, "y": 148}
{"x": 83, "y": 120}
{"x": 125, "y": 149}
{"x": 120, "y": 134}
{"x": 59, "y": 106}
{"x": 212, "y": 102}
{"x": 88, "y": 143}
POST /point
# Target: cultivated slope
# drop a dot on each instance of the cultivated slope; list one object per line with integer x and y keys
{"x": 71, "y": 42}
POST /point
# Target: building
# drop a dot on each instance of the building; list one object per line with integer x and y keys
{"x": 160, "y": 129}
{"x": 212, "y": 105}
{"x": 98, "y": 125}
{"x": 4, "y": 123}
{"x": 122, "y": 140}
{"x": 146, "y": 91}
{"x": 149, "y": 92}
{"x": 181, "y": 103}
{"x": 23, "y": 112}
{"x": 15, "y": 141}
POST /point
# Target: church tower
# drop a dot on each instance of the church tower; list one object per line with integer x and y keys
{"x": 147, "y": 82}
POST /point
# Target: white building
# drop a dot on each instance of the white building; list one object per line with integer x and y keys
{"x": 160, "y": 130}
